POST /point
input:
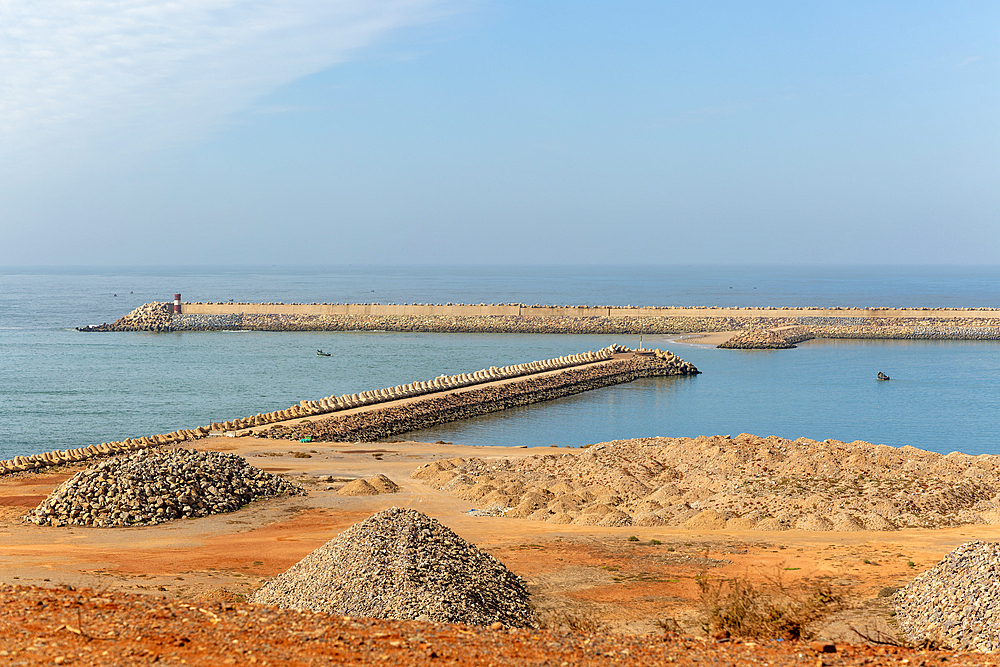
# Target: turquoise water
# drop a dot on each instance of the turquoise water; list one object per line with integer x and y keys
{"x": 943, "y": 397}
{"x": 61, "y": 388}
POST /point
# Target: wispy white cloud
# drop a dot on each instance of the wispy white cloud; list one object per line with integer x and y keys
{"x": 148, "y": 71}
{"x": 969, "y": 61}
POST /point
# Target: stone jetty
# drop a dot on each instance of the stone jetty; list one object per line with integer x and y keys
{"x": 369, "y": 428}
{"x": 612, "y": 365}
{"x": 150, "y": 487}
{"x": 402, "y": 564}
{"x": 778, "y": 338}
{"x": 760, "y": 328}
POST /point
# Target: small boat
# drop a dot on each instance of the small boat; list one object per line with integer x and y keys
{"x": 882, "y": 376}
{"x": 321, "y": 353}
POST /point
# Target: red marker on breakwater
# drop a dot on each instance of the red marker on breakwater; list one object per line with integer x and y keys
{"x": 177, "y": 303}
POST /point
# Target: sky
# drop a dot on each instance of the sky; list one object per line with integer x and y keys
{"x": 177, "y": 132}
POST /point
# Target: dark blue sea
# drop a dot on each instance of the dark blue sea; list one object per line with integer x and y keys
{"x": 60, "y": 388}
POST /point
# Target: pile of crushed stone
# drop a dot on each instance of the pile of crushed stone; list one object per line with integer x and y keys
{"x": 153, "y": 486}
{"x": 741, "y": 483}
{"x": 954, "y": 604}
{"x": 402, "y": 564}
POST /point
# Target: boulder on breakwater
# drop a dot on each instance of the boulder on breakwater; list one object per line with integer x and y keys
{"x": 156, "y": 316}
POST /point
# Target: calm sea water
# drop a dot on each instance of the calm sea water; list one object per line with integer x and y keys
{"x": 60, "y": 388}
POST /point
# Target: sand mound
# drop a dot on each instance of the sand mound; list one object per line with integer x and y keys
{"x": 373, "y": 486}
{"x": 358, "y": 487}
{"x": 383, "y": 484}
{"x": 402, "y": 564}
{"x": 744, "y": 482}
{"x": 154, "y": 486}
{"x": 953, "y": 604}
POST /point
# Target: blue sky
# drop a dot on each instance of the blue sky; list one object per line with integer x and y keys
{"x": 465, "y": 131}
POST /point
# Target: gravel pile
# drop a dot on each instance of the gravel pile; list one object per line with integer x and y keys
{"x": 154, "y": 486}
{"x": 738, "y": 483}
{"x": 954, "y": 604}
{"x": 401, "y": 564}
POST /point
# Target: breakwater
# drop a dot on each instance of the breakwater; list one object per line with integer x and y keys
{"x": 871, "y": 323}
{"x": 659, "y": 363}
{"x": 375, "y": 425}
{"x": 780, "y": 338}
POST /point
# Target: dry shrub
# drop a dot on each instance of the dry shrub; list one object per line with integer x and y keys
{"x": 583, "y": 622}
{"x": 739, "y": 608}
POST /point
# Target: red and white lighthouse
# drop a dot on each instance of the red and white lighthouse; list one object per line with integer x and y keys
{"x": 177, "y": 303}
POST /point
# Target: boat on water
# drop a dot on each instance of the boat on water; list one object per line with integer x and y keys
{"x": 321, "y": 353}
{"x": 882, "y": 376}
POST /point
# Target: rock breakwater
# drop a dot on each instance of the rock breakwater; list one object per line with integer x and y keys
{"x": 308, "y": 408}
{"x": 379, "y": 424}
{"x": 954, "y": 604}
{"x": 156, "y": 316}
{"x": 103, "y": 450}
{"x": 878, "y": 323}
{"x": 150, "y": 487}
{"x": 781, "y": 338}
{"x": 402, "y": 564}
{"x": 739, "y": 483}
{"x": 626, "y": 325}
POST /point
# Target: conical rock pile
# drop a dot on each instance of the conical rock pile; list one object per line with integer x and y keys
{"x": 402, "y": 564}
{"x": 954, "y": 604}
{"x": 154, "y": 486}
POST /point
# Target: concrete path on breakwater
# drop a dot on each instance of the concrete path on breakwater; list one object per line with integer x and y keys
{"x": 198, "y": 308}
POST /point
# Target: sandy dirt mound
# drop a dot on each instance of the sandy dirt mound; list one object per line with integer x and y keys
{"x": 373, "y": 486}
{"x": 383, "y": 484}
{"x": 358, "y": 487}
{"x": 744, "y": 482}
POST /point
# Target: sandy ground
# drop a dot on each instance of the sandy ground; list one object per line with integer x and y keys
{"x": 573, "y": 572}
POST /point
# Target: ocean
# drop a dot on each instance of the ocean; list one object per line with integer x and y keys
{"x": 60, "y": 388}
